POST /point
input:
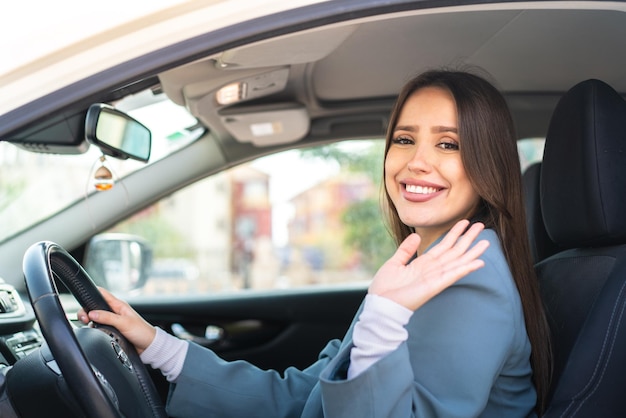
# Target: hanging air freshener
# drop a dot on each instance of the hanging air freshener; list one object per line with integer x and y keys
{"x": 103, "y": 178}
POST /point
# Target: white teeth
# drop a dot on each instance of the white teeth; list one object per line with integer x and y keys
{"x": 411, "y": 188}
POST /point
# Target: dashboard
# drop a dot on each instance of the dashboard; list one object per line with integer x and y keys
{"x": 19, "y": 334}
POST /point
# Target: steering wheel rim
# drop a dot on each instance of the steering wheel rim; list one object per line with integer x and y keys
{"x": 42, "y": 262}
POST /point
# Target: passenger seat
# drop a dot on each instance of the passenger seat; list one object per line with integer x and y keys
{"x": 583, "y": 203}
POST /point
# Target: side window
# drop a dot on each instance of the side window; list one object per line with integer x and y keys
{"x": 299, "y": 218}
{"x": 530, "y": 151}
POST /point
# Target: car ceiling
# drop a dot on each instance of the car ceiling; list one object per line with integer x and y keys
{"x": 345, "y": 76}
{"x": 340, "y": 79}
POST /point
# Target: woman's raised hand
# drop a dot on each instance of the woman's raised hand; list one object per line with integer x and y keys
{"x": 412, "y": 285}
{"x": 124, "y": 318}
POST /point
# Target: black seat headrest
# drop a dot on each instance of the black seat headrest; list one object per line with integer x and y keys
{"x": 583, "y": 174}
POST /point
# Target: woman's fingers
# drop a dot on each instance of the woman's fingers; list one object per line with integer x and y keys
{"x": 82, "y": 316}
{"x": 406, "y": 250}
{"x": 457, "y": 240}
{"x": 459, "y": 260}
{"x": 475, "y": 251}
{"x": 450, "y": 239}
{"x": 114, "y": 303}
{"x": 106, "y": 318}
{"x": 468, "y": 262}
{"x": 466, "y": 240}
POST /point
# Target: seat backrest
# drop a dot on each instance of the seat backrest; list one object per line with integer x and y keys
{"x": 541, "y": 246}
{"x": 583, "y": 202}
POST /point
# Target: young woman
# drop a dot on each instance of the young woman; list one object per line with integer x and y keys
{"x": 442, "y": 332}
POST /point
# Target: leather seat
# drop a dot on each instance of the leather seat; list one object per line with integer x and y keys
{"x": 583, "y": 202}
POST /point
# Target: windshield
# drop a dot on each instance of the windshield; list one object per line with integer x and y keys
{"x": 36, "y": 186}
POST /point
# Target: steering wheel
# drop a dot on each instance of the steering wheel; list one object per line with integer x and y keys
{"x": 105, "y": 375}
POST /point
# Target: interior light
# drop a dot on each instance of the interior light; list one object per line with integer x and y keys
{"x": 231, "y": 93}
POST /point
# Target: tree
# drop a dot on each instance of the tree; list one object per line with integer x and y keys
{"x": 365, "y": 228}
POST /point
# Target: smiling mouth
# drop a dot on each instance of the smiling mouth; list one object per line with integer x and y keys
{"x": 411, "y": 188}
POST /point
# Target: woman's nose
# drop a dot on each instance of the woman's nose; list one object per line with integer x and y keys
{"x": 421, "y": 161}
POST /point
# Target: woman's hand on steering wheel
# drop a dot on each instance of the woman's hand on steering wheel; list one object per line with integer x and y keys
{"x": 124, "y": 318}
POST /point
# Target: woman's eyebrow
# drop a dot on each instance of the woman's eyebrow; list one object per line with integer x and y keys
{"x": 434, "y": 129}
{"x": 408, "y": 128}
{"x": 440, "y": 129}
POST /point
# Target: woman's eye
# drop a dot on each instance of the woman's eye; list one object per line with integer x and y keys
{"x": 449, "y": 145}
{"x": 403, "y": 140}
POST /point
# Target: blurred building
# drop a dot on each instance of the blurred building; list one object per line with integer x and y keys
{"x": 316, "y": 232}
{"x": 251, "y": 231}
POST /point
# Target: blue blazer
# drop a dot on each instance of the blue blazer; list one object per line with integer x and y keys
{"x": 467, "y": 355}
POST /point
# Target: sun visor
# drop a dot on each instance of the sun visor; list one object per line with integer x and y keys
{"x": 282, "y": 124}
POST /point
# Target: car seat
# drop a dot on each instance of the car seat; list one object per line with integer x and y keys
{"x": 541, "y": 246}
{"x": 583, "y": 202}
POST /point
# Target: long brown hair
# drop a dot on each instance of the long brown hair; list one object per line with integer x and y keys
{"x": 490, "y": 158}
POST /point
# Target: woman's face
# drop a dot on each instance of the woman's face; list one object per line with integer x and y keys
{"x": 424, "y": 175}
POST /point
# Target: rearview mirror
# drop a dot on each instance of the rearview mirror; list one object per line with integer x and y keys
{"x": 116, "y": 133}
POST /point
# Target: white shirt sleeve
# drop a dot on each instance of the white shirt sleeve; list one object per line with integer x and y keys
{"x": 166, "y": 353}
{"x": 379, "y": 331}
